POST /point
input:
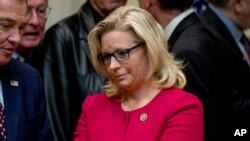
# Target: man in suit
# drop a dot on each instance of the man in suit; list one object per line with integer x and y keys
{"x": 68, "y": 72}
{"x": 227, "y": 20}
{"x": 21, "y": 95}
{"x": 207, "y": 74}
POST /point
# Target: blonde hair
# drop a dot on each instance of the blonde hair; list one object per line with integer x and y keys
{"x": 164, "y": 71}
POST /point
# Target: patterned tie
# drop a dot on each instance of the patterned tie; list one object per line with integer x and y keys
{"x": 245, "y": 41}
{"x": 2, "y": 123}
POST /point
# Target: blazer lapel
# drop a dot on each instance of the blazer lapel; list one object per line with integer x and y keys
{"x": 217, "y": 26}
{"x": 12, "y": 102}
{"x": 184, "y": 24}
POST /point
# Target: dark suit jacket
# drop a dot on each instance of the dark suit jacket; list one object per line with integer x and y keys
{"x": 239, "y": 71}
{"x": 24, "y": 103}
{"x": 206, "y": 72}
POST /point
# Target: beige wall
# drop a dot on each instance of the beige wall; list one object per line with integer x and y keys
{"x": 248, "y": 33}
{"x": 64, "y": 8}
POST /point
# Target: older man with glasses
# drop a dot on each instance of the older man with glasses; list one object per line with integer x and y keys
{"x": 33, "y": 32}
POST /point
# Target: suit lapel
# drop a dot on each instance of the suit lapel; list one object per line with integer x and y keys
{"x": 217, "y": 25}
{"x": 184, "y": 24}
{"x": 12, "y": 102}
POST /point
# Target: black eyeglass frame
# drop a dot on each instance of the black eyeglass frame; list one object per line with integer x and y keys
{"x": 101, "y": 57}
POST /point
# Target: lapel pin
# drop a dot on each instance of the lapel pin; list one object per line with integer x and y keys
{"x": 14, "y": 83}
{"x": 143, "y": 117}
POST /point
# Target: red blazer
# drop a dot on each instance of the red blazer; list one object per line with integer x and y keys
{"x": 173, "y": 115}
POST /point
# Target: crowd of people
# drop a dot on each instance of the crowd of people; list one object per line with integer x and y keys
{"x": 164, "y": 70}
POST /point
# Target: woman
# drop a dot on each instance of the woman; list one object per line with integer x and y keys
{"x": 143, "y": 100}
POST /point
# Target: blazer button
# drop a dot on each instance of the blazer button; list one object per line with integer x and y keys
{"x": 143, "y": 117}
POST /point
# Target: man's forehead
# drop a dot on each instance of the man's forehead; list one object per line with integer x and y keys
{"x": 14, "y": 19}
{"x": 11, "y": 2}
{"x": 19, "y": 5}
{"x": 13, "y": 11}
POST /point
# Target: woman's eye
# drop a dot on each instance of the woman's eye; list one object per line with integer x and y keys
{"x": 122, "y": 53}
{"x": 106, "y": 56}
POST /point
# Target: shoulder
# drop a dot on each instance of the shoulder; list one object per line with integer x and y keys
{"x": 195, "y": 40}
{"x": 99, "y": 100}
{"x": 192, "y": 28}
{"x": 180, "y": 110}
{"x": 179, "y": 98}
{"x": 65, "y": 25}
{"x": 98, "y": 97}
{"x": 68, "y": 21}
{"x": 178, "y": 94}
{"x": 64, "y": 32}
{"x": 21, "y": 69}
{"x": 198, "y": 34}
{"x": 27, "y": 77}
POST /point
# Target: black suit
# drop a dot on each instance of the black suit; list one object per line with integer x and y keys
{"x": 207, "y": 74}
{"x": 239, "y": 71}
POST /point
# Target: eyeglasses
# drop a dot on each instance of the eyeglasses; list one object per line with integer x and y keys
{"x": 42, "y": 11}
{"x": 120, "y": 56}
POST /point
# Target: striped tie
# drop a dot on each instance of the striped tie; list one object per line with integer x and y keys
{"x": 2, "y": 123}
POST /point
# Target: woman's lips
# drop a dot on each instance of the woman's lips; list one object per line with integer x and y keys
{"x": 120, "y": 76}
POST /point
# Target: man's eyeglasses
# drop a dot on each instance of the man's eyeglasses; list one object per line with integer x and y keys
{"x": 42, "y": 11}
{"x": 120, "y": 56}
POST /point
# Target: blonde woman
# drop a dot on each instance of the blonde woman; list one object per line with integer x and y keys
{"x": 143, "y": 100}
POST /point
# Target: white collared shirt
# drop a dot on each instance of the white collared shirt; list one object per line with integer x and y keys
{"x": 1, "y": 93}
{"x": 169, "y": 29}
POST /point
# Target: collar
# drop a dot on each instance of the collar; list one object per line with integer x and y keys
{"x": 229, "y": 23}
{"x": 169, "y": 29}
{"x": 97, "y": 17}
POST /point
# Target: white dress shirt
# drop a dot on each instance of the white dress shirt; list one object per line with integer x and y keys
{"x": 1, "y": 93}
{"x": 169, "y": 29}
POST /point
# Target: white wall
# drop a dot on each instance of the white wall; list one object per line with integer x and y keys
{"x": 64, "y": 8}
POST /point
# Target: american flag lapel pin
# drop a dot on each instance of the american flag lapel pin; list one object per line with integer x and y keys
{"x": 14, "y": 83}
